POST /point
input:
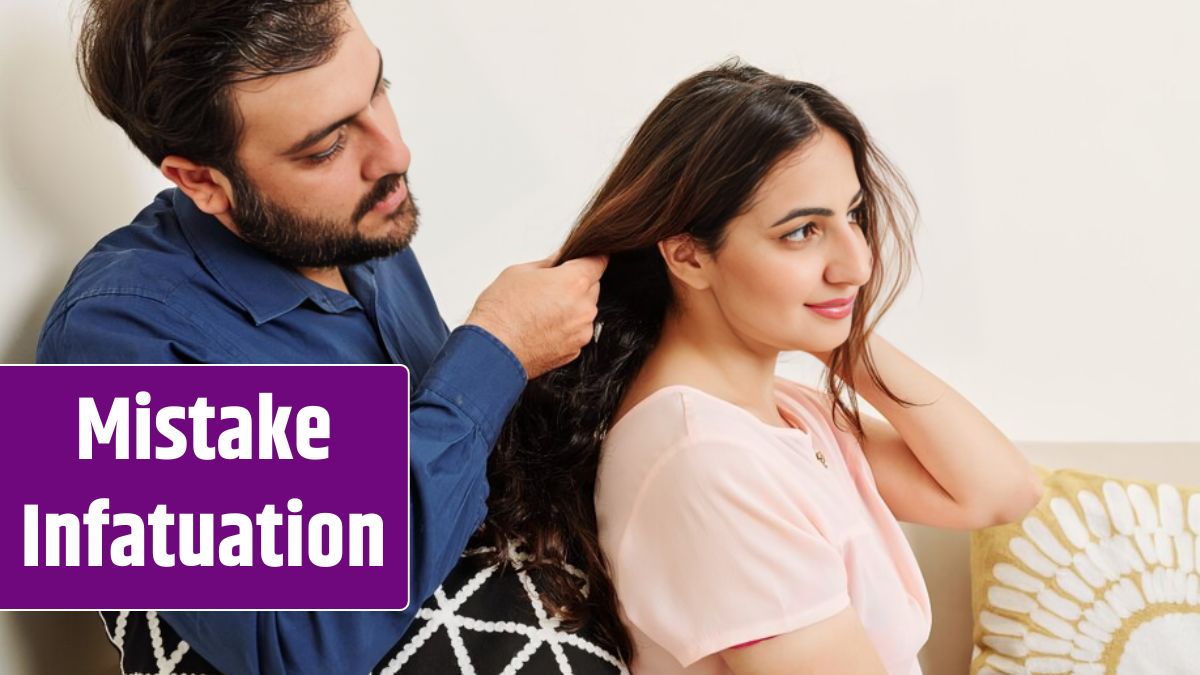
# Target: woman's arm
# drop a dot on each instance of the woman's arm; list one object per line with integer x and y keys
{"x": 839, "y": 644}
{"x": 942, "y": 464}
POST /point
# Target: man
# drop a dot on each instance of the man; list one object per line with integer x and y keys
{"x": 286, "y": 241}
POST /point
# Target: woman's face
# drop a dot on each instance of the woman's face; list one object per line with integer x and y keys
{"x": 799, "y": 246}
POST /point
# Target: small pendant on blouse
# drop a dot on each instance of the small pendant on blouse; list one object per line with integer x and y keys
{"x": 821, "y": 459}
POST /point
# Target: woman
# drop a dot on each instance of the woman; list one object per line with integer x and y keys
{"x": 724, "y": 520}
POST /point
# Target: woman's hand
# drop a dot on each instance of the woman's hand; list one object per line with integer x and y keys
{"x": 940, "y": 462}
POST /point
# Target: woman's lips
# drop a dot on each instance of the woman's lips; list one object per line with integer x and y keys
{"x": 392, "y": 201}
{"x": 834, "y": 309}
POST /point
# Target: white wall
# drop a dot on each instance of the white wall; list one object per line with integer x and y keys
{"x": 1052, "y": 147}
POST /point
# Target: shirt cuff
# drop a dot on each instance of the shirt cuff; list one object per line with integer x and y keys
{"x": 479, "y": 375}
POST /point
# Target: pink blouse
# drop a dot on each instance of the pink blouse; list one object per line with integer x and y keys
{"x": 721, "y": 530}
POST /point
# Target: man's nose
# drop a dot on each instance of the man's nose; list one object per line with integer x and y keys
{"x": 387, "y": 153}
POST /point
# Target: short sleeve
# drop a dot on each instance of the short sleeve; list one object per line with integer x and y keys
{"x": 721, "y": 549}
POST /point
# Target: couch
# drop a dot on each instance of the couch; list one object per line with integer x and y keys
{"x": 944, "y": 555}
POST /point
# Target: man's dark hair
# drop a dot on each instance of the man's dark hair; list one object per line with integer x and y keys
{"x": 163, "y": 69}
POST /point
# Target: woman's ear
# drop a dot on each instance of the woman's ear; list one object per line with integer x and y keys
{"x": 685, "y": 261}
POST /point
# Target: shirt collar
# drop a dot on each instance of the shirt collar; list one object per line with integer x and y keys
{"x": 262, "y": 285}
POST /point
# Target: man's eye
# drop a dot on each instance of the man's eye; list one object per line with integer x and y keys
{"x": 804, "y": 233}
{"x": 333, "y": 151}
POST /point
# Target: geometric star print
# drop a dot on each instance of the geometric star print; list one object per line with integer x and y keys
{"x": 483, "y": 620}
{"x": 545, "y": 634}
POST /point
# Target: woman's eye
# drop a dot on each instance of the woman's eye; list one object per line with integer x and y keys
{"x": 801, "y": 234}
{"x": 856, "y": 215}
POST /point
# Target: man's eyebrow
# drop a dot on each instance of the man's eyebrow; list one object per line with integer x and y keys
{"x": 326, "y": 130}
{"x": 812, "y": 211}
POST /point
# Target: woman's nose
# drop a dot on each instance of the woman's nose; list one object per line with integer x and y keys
{"x": 850, "y": 257}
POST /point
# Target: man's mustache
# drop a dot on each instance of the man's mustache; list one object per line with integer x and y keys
{"x": 382, "y": 189}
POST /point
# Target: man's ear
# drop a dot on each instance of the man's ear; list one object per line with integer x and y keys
{"x": 685, "y": 261}
{"x": 207, "y": 187}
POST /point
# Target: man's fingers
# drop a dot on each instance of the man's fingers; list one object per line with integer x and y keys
{"x": 592, "y": 266}
{"x": 599, "y": 264}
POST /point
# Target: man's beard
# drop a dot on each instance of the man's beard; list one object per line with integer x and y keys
{"x": 302, "y": 241}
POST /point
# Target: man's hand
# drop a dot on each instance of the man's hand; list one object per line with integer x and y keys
{"x": 542, "y": 313}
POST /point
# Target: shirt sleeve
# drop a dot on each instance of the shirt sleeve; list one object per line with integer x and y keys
{"x": 457, "y": 411}
{"x": 720, "y": 551}
{"x": 456, "y": 414}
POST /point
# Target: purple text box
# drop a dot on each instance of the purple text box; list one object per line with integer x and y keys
{"x": 366, "y": 472}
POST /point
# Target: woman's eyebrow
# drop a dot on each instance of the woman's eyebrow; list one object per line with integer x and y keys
{"x": 813, "y": 211}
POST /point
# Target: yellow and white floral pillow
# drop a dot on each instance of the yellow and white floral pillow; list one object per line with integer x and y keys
{"x": 1100, "y": 578}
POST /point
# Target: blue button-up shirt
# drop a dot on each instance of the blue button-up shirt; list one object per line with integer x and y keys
{"x": 176, "y": 286}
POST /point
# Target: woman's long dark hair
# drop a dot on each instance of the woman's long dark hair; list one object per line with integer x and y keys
{"x": 691, "y": 168}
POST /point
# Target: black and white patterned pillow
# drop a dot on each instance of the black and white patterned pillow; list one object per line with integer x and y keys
{"x": 480, "y": 621}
